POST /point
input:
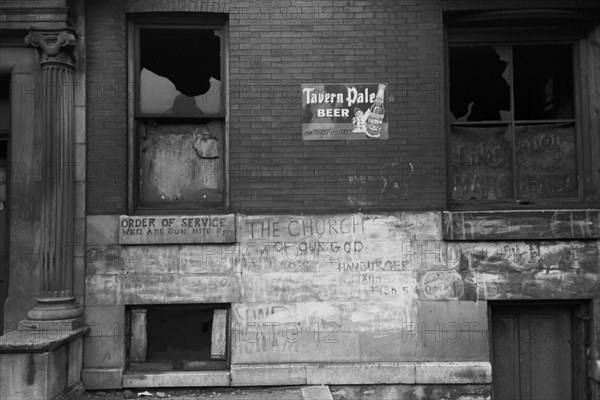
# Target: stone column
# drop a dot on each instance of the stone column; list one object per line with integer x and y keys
{"x": 55, "y": 250}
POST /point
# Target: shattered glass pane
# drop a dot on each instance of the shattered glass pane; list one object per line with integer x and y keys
{"x": 182, "y": 165}
{"x": 481, "y": 166}
{"x": 480, "y": 83}
{"x": 180, "y": 72}
{"x": 547, "y": 160}
{"x": 543, "y": 79}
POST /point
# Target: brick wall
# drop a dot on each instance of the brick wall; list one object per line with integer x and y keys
{"x": 274, "y": 47}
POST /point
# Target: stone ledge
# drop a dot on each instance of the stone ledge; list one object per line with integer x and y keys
{"x": 476, "y": 372}
{"x": 361, "y": 373}
{"x": 177, "y": 379}
{"x": 410, "y": 373}
{"x": 268, "y": 374}
{"x": 38, "y": 341}
{"x": 521, "y": 225}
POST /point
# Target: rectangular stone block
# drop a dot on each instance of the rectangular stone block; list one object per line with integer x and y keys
{"x": 453, "y": 373}
{"x": 340, "y": 243}
{"x": 360, "y": 374}
{"x": 176, "y": 379}
{"x": 268, "y": 375}
{"x": 273, "y": 287}
{"x": 103, "y": 352}
{"x": 292, "y": 345}
{"x": 102, "y": 378}
{"x": 388, "y": 346}
{"x": 522, "y": 225}
{"x": 105, "y": 320}
{"x": 180, "y": 288}
{"x": 327, "y": 317}
{"x": 103, "y": 290}
{"x": 218, "y": 259}
{"x": 139, "y": 336}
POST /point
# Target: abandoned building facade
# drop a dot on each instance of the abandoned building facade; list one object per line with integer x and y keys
{"x": 396, "y": 198}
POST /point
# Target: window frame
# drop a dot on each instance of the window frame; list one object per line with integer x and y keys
{"x": 173, "y": 21}
{"x": 462, "y": 35}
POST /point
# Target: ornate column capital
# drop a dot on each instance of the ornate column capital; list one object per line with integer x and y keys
{"x": 54, "y": 45}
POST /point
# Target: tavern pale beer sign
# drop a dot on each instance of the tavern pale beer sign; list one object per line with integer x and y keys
{"x": 344, "y": 111}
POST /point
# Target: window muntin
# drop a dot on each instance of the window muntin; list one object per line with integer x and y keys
{"x": 180, "y": 118}
{"x": 513, "y": 131}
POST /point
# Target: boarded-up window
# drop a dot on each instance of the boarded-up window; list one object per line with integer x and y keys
{"x": 180, "y": 117}
{"x": 513, "y": 133}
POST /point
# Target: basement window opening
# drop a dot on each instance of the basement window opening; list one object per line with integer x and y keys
{"x": 178, "y": 338}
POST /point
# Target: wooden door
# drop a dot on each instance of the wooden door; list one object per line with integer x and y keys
{"x": 531, "y": 353}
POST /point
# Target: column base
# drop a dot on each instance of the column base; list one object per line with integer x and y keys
{"x": 51, "y": 325}
{"x": 55, "y": 308}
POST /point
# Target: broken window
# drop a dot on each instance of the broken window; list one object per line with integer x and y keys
{"x": 178, "y": 337}
{"x": 180, "y": 117}
{"x": 513, "y": 127}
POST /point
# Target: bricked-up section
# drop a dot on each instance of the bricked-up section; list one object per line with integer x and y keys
{"x": 274, "y": 47}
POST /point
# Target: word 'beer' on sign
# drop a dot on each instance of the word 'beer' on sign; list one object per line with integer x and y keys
{"x": 177, "y": 229}
{"x": 344, "y": 111}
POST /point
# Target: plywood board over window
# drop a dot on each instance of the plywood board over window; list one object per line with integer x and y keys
{"x": 178, "y": 115}
{"x": 517, "y": 121}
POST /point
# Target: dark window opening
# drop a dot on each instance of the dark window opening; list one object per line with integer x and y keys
{"x": 513, "y": 134}
{"x": 180, "y": 72}
{"x": 178, "y": 337}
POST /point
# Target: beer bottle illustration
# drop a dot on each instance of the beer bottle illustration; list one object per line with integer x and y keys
{"x": 375, "y": 120}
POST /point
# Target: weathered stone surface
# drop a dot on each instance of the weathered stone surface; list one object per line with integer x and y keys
{"x": 538, "y": 270}
{"x": 103, "y": 290}
{"x": 316, "y": 393}
{"x": 267, "y": 375}
{"x": 447, "y": 285}
{"x": 292, "y": 343}
{"x": 177, "y": 229}
{"x": 286, "y": 287}
{"x": 340, "y": 243}
{"x": 104, "y": 352}
{"x": 105, "y": 320}
{"x": 453, "y": 372}
{"x": 416, "y": 392}
{"x": 348, "y": 316}
{"x": 208, "y": 259}
{"x": 101, "y": 378}
{"x": 176, "y": 379}
{"x": 44, "y": 375}
{"x": 357, "y": 374}
{"x": 180, "y": 288}
{"x": 522, "y": 225}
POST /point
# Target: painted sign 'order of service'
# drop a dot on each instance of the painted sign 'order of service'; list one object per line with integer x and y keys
{"x": 344, "y": 111}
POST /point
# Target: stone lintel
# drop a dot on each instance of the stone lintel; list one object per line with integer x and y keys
{"x": 522, "y": 225}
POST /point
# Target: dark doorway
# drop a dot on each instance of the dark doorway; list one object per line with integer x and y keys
{"x": 4, "y": 182}
{"x": 538, "y": 351}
